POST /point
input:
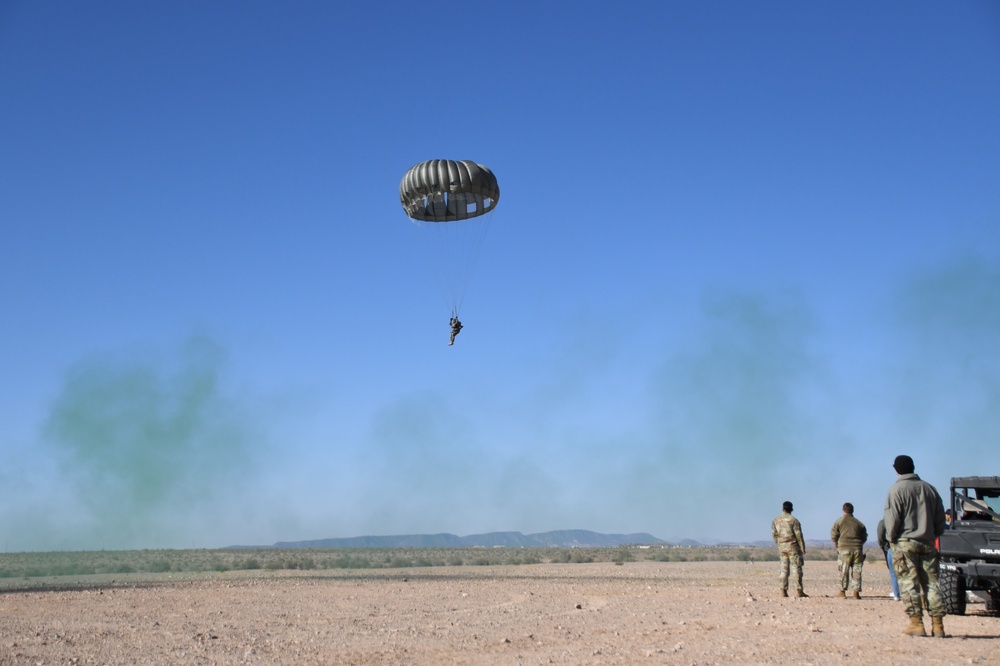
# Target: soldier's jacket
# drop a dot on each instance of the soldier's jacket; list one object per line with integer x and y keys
{"x": 787, "y": 533}
{"x": 913, "y": 510}
{"x": 849, "y": 533}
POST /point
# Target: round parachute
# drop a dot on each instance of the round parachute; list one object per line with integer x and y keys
{"x": 447, "y": 191}
{"x": 451, "y": 203}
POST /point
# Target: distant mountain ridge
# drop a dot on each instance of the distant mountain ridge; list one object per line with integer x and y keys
{"x": 558, "y": 538}
{"x": 554, "y": 539}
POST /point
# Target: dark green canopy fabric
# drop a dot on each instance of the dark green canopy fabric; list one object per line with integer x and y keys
{"x": 446, "y": 191}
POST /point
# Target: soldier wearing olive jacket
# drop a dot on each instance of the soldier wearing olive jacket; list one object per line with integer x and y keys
{"x": 849, "y": 536}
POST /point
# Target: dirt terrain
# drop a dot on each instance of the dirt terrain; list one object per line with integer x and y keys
{"x": 639, "y": 612}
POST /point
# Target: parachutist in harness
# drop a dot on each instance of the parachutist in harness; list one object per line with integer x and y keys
{"x": 455, "y": 198}
{"x": 456, "y": 326}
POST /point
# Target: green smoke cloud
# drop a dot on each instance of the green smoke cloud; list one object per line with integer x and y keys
{"x": 949, "y": 338}
{"x": 738, "y": 393}
{"x": 739, "y": 408}
{"x": 148, "y": 441}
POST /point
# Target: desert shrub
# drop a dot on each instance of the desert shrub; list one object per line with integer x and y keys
{"x": 74, "y": 569}
{"x": 351, "y": 562}
{"x": 623, "y": 555}
{"x": 299, "y": 563}
{"x": 218, "y": 565}
{"x": 67, "y": 564}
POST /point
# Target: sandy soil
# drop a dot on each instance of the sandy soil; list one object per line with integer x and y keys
{"x": 637, "y": 613}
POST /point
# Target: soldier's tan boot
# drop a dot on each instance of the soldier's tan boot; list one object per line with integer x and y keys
{"x": 857, "y": 595}
{"x": 937, "y": 627}
{"x": 916, "y": 627}
{"x": 800, "y": 593}
{"x": 784, "y": 593}
{"x": 842, "y": 594}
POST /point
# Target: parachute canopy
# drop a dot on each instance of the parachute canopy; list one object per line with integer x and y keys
{"x": 447, "y": 191}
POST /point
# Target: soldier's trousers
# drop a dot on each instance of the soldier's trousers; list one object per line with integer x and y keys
{"x": 851, "y": 562}
{"x": 791, "y": 563}
{"x": 916, "y": 566}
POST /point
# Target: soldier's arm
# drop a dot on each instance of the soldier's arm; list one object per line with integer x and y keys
{"x": 891, "y": 517}
{"x": 893, "y": 529}
{"x": 939, "y": 521}
{"x": 883, "y": 543}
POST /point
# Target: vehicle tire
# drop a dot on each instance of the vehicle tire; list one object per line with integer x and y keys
{"x": 952, "y": 592}
{"x": 993, "y": 605}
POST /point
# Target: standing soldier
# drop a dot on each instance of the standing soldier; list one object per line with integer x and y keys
{"x": 787, "y": 533}
{"x": 914, "y": 519}
{"x": 849, "y": 536}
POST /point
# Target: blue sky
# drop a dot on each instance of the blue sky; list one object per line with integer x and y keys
{"x": 744, "y": 253}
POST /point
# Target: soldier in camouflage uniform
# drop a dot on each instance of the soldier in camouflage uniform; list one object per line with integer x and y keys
{"x": 787, "y": 533}
{"x": 849, "y": 536}
{"x": 914, "y": 519}
{"x": 456, "y": 326}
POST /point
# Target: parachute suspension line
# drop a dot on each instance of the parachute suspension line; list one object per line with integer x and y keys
{"x": 452, "y": 251}
{"x": 438, "y": 257}
{"x": 451, "y": 203}
{"x": 467, "y": 252}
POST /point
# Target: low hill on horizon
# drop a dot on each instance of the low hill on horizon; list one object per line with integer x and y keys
{"x": 560, "y": 538}
{"x": 553, "y": 539}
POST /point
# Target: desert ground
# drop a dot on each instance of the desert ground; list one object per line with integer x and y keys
{"x": 691, "y": 613}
